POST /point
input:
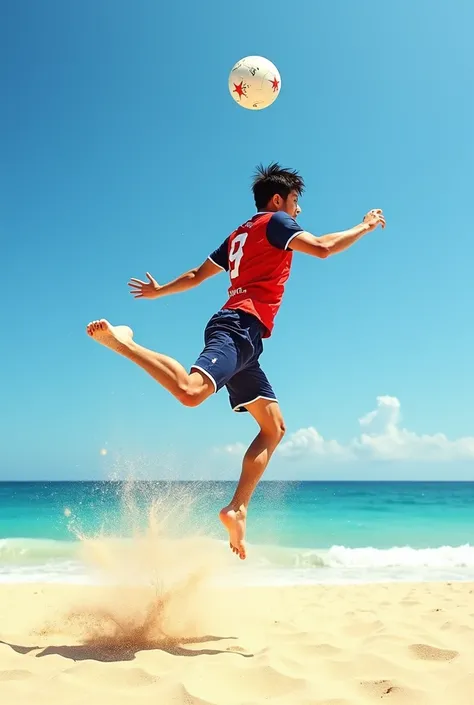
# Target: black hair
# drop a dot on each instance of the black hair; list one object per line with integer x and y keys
{"x": 274, "y": 179}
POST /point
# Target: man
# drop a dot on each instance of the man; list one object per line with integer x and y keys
{"x": 257, "y": 256}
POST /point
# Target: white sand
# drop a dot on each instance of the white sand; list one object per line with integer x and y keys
{"x": 351, "y": 645}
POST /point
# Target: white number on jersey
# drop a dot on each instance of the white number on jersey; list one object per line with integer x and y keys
{"x": 236, "y": 253}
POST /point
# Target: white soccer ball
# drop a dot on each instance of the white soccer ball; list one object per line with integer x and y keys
{"x": 254, "y": 83}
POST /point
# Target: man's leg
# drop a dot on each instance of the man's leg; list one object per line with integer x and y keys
{"x": 268, "y": 415}
{"x": 190, "y": 389}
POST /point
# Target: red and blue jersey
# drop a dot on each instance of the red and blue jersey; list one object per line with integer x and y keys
{"x": 258, "y": 257}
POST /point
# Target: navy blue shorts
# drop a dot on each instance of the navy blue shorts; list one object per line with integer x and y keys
{"x": 233, "y": 344}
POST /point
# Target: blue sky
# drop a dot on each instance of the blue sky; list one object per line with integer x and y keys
{"x": 122, "y": 151}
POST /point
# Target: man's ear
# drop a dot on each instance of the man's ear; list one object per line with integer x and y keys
{"x": 277, "y": 200}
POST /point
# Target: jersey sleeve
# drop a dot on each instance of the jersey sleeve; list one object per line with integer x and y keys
{"x": 281, "y": 229}
{"x": 220, "y": 256}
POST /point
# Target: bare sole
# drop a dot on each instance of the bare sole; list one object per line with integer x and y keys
{"x": 235, "y": 523}
{"x": 113, "y": 337}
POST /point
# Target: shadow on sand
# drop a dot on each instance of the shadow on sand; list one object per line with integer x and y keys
{"x": 107, "y": 650}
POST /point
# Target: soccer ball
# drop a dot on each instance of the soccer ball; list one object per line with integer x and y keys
{"x": 254, "y": 83}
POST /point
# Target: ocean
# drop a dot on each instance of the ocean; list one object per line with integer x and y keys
{"x": 298, "y": 533}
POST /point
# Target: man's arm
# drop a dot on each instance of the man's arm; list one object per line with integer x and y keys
{"x": 336, "y": 242}
{"x": 188, "y": 280}
{"x": 215, "y": 263}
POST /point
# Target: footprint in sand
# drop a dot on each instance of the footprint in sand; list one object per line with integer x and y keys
{"x": 122, "y": 678}
{"x": 15, "y": 675}
{"x": 389, "y": 691}
{"x": 332, "y": 701}
{"x": 379, "y": 689}
{"x": 238, "y": 650}
{"x": 249, "y": 682}
{"x": 425, "y": 652}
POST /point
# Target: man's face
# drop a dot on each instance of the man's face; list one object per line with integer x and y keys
{"x": 291, "y": 206}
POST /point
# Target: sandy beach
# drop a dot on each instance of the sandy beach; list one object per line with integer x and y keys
{"x": 314, "y": 645}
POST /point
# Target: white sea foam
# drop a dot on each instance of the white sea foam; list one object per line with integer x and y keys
{"x": 38, "y": 560}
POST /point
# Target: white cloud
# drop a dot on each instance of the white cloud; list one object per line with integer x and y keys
{"x": 308, "y": 441}
{"x": 381, "y": 437}
{"x": 232, "y": 449}
{"x": 385, "y": 439}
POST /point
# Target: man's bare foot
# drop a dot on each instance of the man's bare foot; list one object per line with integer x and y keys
{"x": 235, "y": 523}
{"x": 114, "y": 337}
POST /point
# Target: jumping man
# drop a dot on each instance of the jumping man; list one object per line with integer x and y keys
{"x": 257, "y": 257}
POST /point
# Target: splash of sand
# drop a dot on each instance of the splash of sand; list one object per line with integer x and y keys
{"x": 156, "y": 587}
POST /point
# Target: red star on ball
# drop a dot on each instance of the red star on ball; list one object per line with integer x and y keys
{"x": 239, "y": 88}
{"x": 275, "y": 84}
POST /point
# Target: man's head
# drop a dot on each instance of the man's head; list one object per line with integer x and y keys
{"x": 277, "y": 189}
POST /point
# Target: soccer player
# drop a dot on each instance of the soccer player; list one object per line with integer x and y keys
{"x": 257, "y": 257}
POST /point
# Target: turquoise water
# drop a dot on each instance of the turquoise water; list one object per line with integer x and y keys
{"x": 298, "y": 532}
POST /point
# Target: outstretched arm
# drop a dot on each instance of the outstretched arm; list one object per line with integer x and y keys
{"x": 152, "y": 290}
{"x": 336, "y": 242}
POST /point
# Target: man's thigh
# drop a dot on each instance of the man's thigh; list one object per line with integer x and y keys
{"x": 226, "y": 351}
{"x": 248, "y": 386}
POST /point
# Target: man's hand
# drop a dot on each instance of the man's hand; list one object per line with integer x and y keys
{"x": 374, "y": 218}
{"x": 144, "y": 290}
{"x": 152, "y": 290}
{"x": 337, "y": 242}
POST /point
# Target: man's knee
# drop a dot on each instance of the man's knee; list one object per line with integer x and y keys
{"x": 191, "y": 395}
{"x": 276, "y": 429}
{"x": 281, "y": 429}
